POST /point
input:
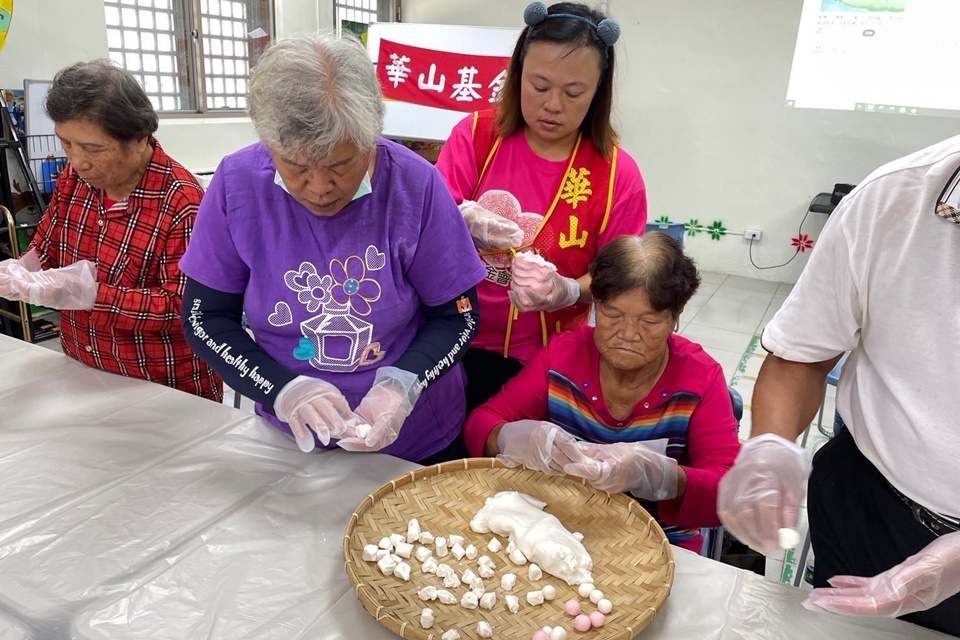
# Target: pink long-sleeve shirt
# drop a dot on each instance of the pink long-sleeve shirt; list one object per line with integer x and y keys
{"x": 687, "y": 415}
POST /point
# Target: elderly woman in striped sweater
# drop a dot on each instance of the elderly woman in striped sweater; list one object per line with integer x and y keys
{"x": 628, "y": 405}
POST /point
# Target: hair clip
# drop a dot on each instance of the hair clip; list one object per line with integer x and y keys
{"x": 608, "y": 30}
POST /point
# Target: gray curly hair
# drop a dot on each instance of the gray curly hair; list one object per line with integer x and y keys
{"x": 310, "y": 93}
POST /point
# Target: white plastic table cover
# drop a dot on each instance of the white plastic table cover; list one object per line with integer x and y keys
{"x": 133, "y": 511}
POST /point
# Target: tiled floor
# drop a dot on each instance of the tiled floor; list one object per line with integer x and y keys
{"x": 726, "y": 316}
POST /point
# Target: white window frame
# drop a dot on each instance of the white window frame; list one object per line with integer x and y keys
{"x": 179, "y": 52}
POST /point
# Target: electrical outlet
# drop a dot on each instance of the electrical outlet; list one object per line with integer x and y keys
{"x": 752, "y": 234}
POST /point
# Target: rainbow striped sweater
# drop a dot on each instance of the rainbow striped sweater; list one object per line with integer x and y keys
{"x": 687, "y": 416}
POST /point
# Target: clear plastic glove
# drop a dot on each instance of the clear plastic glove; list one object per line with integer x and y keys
{"x": 311, "y": 404}
{"x": 29, "y": 261}
{"x": 627, "y": 466}
{"x": 920, "y": 582}
{"x": 537, "y": 445}
{"x": 385, "y": 407}
{"x": 536, "y": 286}
{"x": 762, "y": 492}
{"x": 73, "y": 287}
{"x": 488, "y": 229}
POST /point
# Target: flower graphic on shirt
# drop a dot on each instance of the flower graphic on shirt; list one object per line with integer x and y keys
{"x": 802, "y": 242}
{"x": 351, "y": 286}
{"x": 312, "y": 289}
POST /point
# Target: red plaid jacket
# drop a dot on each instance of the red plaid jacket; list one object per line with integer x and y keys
{"x": 134, "y": 327}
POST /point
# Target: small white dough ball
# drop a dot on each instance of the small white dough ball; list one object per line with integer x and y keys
{"x": 549, "y": 592}
{"x": 596, "y": 596}
{"x": 426, "y": 618}
{"x": 362, "y": 431}
{"x": 788, "y": 538}
{"x": 535, "y": 597}
{"x": 604, "y": 606}
{"x": 469, "y": 600}
{"x": 494, "y": 545}
{"x": 585, "y": 590}
{"x": 471, "y": 552}
{"x": 370, "y": 552}
{"x": 386, "y": 543}
{"x": 445, "y": 597}
{"x": 513, "y": 603}
{"x": 484, "y": 630}
{"x": 534, "y": 572}
{"x": 558, "y": 633}
{"x": 402, "y": 571}
{"x": 413, "y": 530}
{"x": 454, "y": 540}
{"x": 508, "y": 581}
{"x": 423, "y": 553}
{"x": 488, "y": 600}
{"x": 450, "y": 634}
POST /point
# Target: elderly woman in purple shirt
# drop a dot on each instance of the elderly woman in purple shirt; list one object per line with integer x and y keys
{"x": 349, "y": 259}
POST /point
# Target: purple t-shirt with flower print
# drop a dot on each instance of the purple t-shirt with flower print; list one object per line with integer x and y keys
{"x": 337, "y": 297}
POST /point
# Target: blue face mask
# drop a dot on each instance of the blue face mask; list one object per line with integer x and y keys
{"x": 365, "y": 187}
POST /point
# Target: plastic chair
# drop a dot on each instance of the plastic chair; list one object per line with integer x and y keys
{"x": 713, "y": 536}
{"x": 832, "y": 379}
{"x": 675, "y": 230}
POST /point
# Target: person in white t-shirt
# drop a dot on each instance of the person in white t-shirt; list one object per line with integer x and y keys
{"x": 884, "y": 496}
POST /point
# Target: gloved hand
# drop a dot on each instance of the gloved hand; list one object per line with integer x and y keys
{"x": 762, "y": 492}
{"x": 627, "y": 466}
{"x": 537, "y": 445}
{"x": 536, "y": 285}
{"x": 385, "y": 407}
{"x": 488, "y": 229}
{"x": 307, "y": 403}
{"x": 920, "y": 582}
{"x": 73, "y": 287}
{"x": 29, "y": 261}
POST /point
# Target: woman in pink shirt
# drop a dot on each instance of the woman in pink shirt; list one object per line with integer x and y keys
{"x": 542, "y": 185}
{"x": 628, "y": 405}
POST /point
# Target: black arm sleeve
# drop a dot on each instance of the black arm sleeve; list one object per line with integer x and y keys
{"x": 212, "y": 324}
{"x": 443, "y": 339}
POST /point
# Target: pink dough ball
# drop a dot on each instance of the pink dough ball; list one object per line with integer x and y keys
{"x": 581, "y": 623}
{"x": 571, "y": 607}
{"x": 597, "y": 619}
{"x": 540, "y": 634}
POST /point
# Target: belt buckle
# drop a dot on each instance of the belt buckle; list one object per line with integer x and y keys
{"x": 925, "y": 518}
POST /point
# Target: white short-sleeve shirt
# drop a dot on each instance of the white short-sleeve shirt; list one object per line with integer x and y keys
{"x": 884, "y": 283}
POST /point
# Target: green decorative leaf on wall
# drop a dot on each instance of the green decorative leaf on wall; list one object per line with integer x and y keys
{"x": 693, "y": 227}
{"x": 663, "y": 219}
{"x": 716, "y": 230}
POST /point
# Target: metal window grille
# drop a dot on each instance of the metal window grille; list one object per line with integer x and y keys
{"x": 190, "y": 55}
{"x": 356, "y": 16}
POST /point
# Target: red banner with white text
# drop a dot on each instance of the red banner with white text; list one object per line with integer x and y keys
{"x": 442, "y": 79}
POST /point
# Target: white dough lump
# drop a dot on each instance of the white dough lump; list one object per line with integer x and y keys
{"x": 538, "y": 535}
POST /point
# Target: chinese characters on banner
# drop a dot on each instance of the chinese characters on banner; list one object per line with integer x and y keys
{"x": 453, "y": 81}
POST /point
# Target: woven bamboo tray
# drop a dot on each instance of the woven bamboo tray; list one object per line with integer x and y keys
{"x": 632, "y": 561}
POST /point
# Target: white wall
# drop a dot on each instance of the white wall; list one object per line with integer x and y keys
{"x": 46, "y": 35}
{"x": 700, "y": 104}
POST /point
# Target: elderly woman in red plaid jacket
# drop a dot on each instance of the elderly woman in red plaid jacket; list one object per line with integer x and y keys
{"x": 106, "y": 251}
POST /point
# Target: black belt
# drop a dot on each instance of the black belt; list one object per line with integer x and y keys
{"x": 937, "y": 525}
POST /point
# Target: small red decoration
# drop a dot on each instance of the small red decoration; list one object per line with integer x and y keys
{"x": 802, "y": 242}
